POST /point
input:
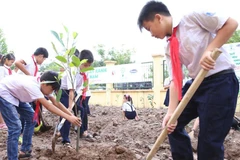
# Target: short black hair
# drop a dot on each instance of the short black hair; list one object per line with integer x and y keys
{"x": 86, "y": 54}
{"x": 8, "y": 56}
{"x": 41, "y": 51}
{"x": 51, "y": 76}
{"x": 77, "y": 53}
{"x": 149, "y": 10}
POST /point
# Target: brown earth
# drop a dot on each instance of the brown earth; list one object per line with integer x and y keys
{"x": 115, "y": 139}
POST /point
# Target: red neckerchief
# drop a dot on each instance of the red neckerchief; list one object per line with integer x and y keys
{"x": 176, "y": 64}
{"x": 37, "y": 109}
{"x": 36, "y": 113}
{"x": 85, "y": 80}
{"x": 9, "y": 70}
{"x": 36, "y": 67}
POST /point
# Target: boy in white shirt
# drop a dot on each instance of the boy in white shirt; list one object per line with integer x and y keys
{"x": 30, "y": 66}
{"x": 16, "y": 91}
{"x": 68, "y": 94}
{"x": 190, "y": 43}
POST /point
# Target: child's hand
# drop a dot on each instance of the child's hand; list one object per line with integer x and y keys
{"x": 70, "y": 110}
{"x": 171, "y": 127}
{"x": 206, "y": 61}
{"x": 75, "y": 120}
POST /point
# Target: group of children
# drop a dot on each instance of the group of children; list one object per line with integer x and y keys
{"x": 190, "y": 42}
{"x": 27, "y": 87}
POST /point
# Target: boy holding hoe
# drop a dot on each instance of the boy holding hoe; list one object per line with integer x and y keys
{"x": 190, "y": 42}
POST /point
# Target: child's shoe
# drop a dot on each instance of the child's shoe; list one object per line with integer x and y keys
{"x": 68, "y": 145}
{"x": 26, "y": 154}
{"x": 37, "y": 129}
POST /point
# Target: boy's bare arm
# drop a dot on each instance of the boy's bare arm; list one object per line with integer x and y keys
{"x": 173, "y": 103}
{"x": 71, "y": 99}
{"x": 20, "y": 64}
{"x": 221, "y": 38}
{"x": 71, "y": 118}
{"x": 59, "y": 105}
{"x": 173, "y": 98}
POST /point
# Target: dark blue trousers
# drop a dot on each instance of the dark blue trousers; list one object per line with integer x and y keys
{"x": 130, "y": 115}
{"x": 84, "y": 113}
{"x": 166, "y": 100}
{"x": 65, "y": 130}
{"x": 214, "y": 103}
{"x": 86, "y": 105}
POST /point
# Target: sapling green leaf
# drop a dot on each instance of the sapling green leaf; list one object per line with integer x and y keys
{"x": 75, "y": 61}
{"x": 61, "y": 59}
{"x": 60, "y": 75}
{"x": 59, "y": 94}
{"x": 75, "y": 34}
{"x": 71, "y": 64}
{"x": 67, "y": 53}
{"x": 66, "y": 29}
{"x": 87, "y": 69}
{"x": 58, "y": 38}
{"x": 83, "y": 61}
{"x": 61, "y": 35}
{"x": 54, "y": 48}
{"x": 72, "y": 51}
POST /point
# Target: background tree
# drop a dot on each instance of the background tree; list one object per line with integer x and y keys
{"x": 3, "y": 44}
{"x": 235, "y": 37}
{"x": 121, "y": 56}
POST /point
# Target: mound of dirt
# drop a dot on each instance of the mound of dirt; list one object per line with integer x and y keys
{"x": 115, "y": 138}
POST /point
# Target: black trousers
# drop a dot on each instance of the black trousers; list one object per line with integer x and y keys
{"x": 214, "y": 103}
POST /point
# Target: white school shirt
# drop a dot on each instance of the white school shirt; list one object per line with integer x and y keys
{"x": 195, "y": 31}
{"x": 4, "y": 71}
{"x": 30, "y": 66}
{"x": 127, "y": 107}
{"x": 22, "y": 88}
{"x": 66, "y": 82}
{"x": 88, "y": 92}
{"x": 166, "y": 82}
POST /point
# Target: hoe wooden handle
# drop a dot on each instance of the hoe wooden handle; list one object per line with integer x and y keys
{"x": 192, "y": 89}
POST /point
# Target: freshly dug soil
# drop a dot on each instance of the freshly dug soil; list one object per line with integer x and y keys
{"x": 115, "y": 138}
